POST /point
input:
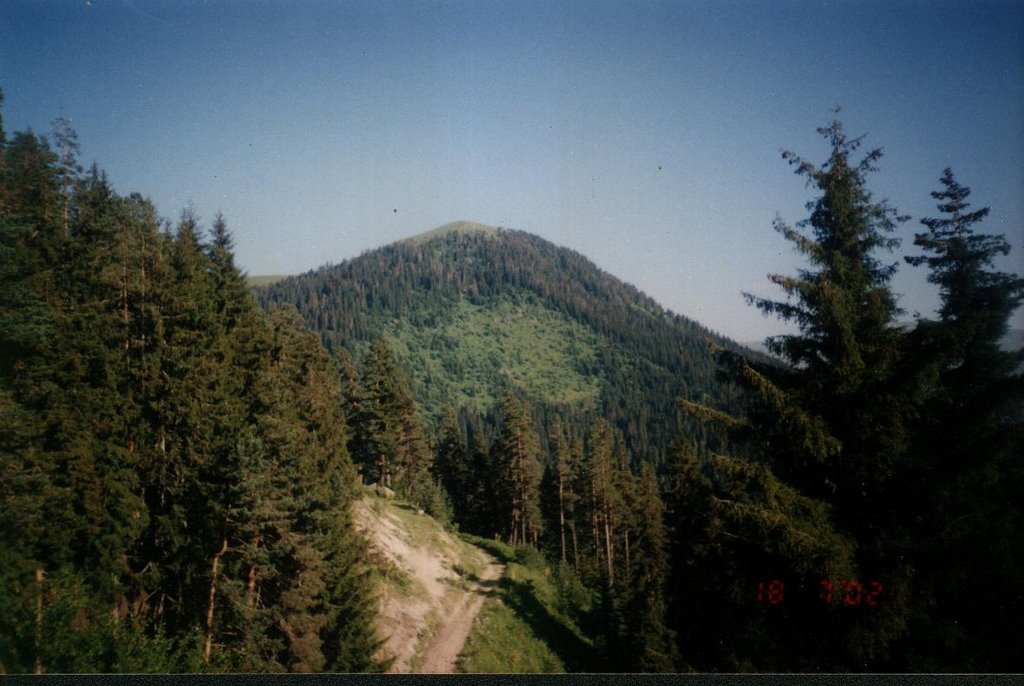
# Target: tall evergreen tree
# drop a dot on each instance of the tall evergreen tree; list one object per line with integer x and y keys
{"x": 967, "y": 446}
{"x": 451, "y": 464}
{"x": 827, "y": 436}
{"x": 518, "y": 473}
{"x": 67, "y": 147}
{"x": 604, "y": 498}
{"x": 560, "y": 476}
{"x": 649, "y": 644}
{"x": 389, "y": 440}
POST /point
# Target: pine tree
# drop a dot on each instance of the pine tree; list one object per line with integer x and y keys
{"x": 605, "y": 501}
{"x": 32, "y": 186}
{"x": 377, "y": 424}
{"x": 518, "y": 474}
{"x": 968, "y": 446}
{"x": 452, "y": 466}
{"x": 561, "y": 469}
{"x": 350, "y": 391}
{"x": 649, "y": 644}
{"x": 480, "y": 494}
{"x": 67, "y": 146}
{"x": 175, "y": 486}
{"x": 826, "y": 437}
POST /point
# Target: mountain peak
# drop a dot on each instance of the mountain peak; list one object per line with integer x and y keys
{"x": 461, "y": 226}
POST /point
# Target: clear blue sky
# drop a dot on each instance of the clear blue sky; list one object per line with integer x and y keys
{"x": 645, "y": 135}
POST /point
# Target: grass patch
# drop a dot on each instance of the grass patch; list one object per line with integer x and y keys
{"x": 459, "y": 227}
{"x": 501, "y": 642}
{"x": 263, "y": 280}
{"x": 526, "y": 626}
{"x": 388, "y": 573}
{"x": 467, "y": 350}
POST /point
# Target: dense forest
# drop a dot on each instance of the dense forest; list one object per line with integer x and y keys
{"x": 175, "y": 484}
{"x": 469, "y": 309}
{"x": 178, "y": 464}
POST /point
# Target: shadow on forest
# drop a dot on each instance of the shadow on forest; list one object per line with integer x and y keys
{"x": 576, "y": 654}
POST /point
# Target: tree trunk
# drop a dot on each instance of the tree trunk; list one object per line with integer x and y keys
{"x": 40, "y": 575}
{"x": 575, "y": 548}
{"x": 250, "y": 586}
{"x": 561, "y": 513}
{"x": 213, "y": 600}
{"x": 626, "y": 536}
{"x": 124, "y": 304}
{"x": 608, "y": 549}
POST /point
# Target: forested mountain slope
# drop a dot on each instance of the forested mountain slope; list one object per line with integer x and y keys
{"x": 468, "y": 309}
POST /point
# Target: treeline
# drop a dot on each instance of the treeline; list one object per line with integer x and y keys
{"x": 174, "y": 475}
{"x": 868, "y": 516}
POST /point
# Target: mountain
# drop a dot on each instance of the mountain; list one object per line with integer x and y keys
{"x": 468, "y": 308}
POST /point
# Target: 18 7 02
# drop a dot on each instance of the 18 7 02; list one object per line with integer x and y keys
{"x": 845, "y": 593}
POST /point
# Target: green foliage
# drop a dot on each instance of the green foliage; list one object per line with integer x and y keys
{"x": 968, "y": 445}
{"x": 464, "y": 358}
{"x": 879, "y": 454}
{"x": 389, "y": 440}
{"x": 575, "y": 600}
{"x": 503, "y": 643}
{"x": 517, "y": 474}
{"x": 433, "y": 499}
{"x": 468, "y": 312}
{"x": 527, "y": 626}
{"x": 174, "y": 479}
{"x": 822, "y": 439}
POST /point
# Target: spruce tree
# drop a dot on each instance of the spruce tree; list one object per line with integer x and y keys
{"x": 649, "y": 644}
{"x": 518, "y": 473}
{"x": 818, "y": 497}
{"x": 378, "y": 434}
{"x": 967, "y": 446}
{"x": 452, "y": 466}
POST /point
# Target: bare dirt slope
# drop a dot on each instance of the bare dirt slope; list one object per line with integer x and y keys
{"x": 432, "y": 585}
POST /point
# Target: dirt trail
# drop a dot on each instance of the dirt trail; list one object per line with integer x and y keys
{"x": 426, "y": 618}
{"x": 445, "y": 645}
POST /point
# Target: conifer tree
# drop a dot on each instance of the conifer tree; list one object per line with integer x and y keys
{"x": 561, "y": 477}
{"x": 350, "y": 392}
{"x": 479, "y": 495}
{"x": 518, "y": 473}
{"x": 605, "y": 501}
{"x": 377, "y": 442}
{"x": 818, "y": 498}
{"x": 32, "y": 186}
{"x": 452, "y": 467}
{"x": 649, "y": 644}
{"x": 967, "y": 445}
{"x": 67, "y": 146}
{"x": 175, "y": 486}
